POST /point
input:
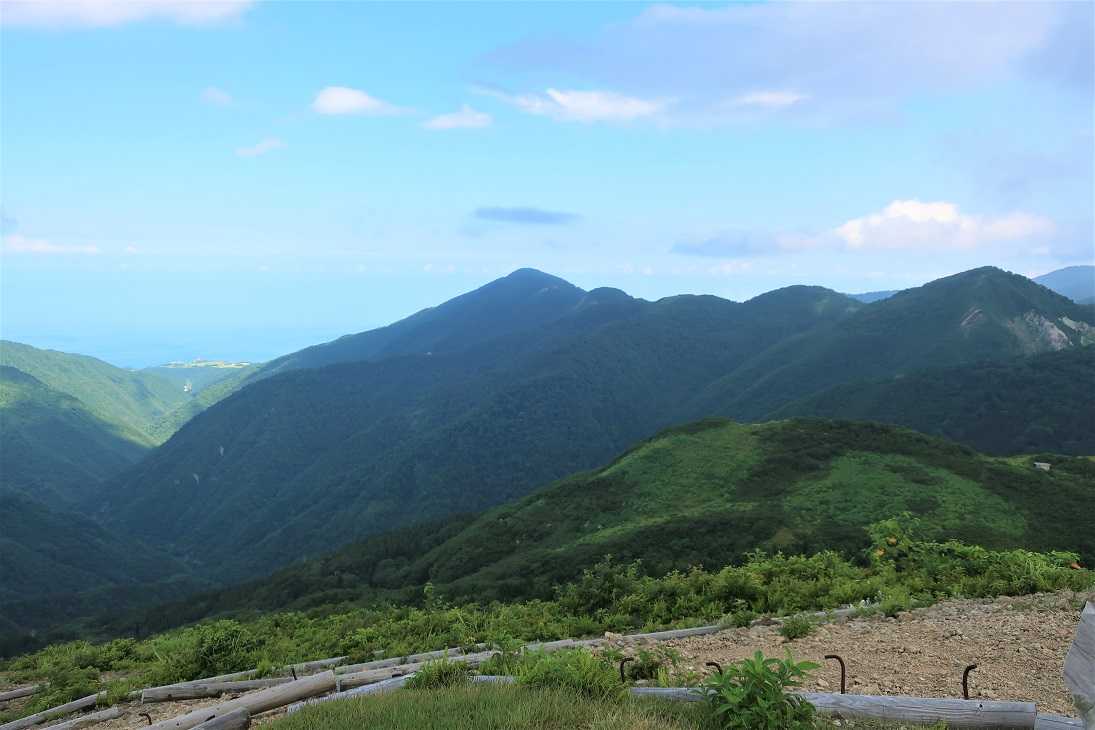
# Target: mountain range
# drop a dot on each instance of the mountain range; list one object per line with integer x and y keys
{"x": 481, "y": 400}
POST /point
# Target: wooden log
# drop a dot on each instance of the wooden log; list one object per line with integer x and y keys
{"x": 1057, "y": 722}
{"x": 917, "y": 710}
{"x": 387, "y": 685}
{"x": 16, "y": 693}
{"x": 400, "y": 660}
{"x": 111, "y": 713}
{"x": 261, "y": 701}
{"x": 924, "y": 711}
{"x": 235, "y": 720}
{"x": 309, "y": 667}
{"x": 673, "y": 634}
{"x": 39, "y": 717}
{"x": 370, "y": 676}
{"x": 1080, "y": 666}
{"x": 209, "y": 689}
{"x": 230, "y": 677}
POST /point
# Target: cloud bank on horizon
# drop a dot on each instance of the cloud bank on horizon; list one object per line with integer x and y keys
{"x": 664, "y": 148}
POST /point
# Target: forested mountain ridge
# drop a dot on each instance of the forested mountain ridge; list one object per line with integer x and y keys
{"x": 1043, "y": 402}
{"x": 130, "y": 400}
{"x": 1075, "y": 282}
{"x": 54, "y": 448}
{"x": 978, "y": 315}
{"x": 308, "y": 459}
{"x": 704, "y": 493}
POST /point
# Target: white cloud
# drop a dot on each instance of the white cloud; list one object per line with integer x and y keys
{"x": 19, "y": 244}
{"x": 333, "y": 100}
{"x": 110, "y": 13}
{"x": 769, "y": 99}
{"x": 268, "y": 144}
{"x": 466, "y": 118}
{"x": 216, "y": 97}
{"x": 582, "y": 106}
{"x": 936, "y": 225}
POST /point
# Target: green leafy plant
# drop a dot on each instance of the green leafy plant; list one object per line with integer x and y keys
{"x": 441, "y": 673}
{"x": 797, "y": 626}
{"x": 755, "y": 694}
{"x": 578, "y": 670}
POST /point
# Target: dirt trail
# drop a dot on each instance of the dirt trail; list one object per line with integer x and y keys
{"x": 1018, "y": 643}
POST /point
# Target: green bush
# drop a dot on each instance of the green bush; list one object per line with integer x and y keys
{"x": 755, "y": 694}
{"x": 577, "y": 670}
{"x": 441, "y": 673}
{"x": 797, "y": 626}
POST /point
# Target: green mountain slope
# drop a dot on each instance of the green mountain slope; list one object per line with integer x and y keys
{"x": 1040, "y": 403}
{"x": 1075, "y": 282}
{"x": 312, "y": 458}
{"x": 983, "y": 314}
{"x": 524, "y": 300}
{"x": 53, "y": 448}
{"x": 129, "y": 400}
{"x": 706, "y": 493}
{"x": 59, "y": 565}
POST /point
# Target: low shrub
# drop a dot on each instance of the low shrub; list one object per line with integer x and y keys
{"x": 797, "y": 626}
{"x": 441, "y": 673}
{"x": 577, "y": 670}
{"x": 755, "y": 694}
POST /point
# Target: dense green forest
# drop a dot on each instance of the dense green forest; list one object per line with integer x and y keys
{"x": 54, "y": 447}
{"x": 1040, "y": 403}
{"x": 979, "y": 315}
{"x": 311, "y": 458}
{"x": 703, "y": 494}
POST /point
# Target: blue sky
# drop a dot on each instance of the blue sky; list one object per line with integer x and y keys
{"x": 241, "y": 179}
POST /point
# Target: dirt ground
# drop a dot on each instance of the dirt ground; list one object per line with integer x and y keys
{"x": 1019, "y": 645}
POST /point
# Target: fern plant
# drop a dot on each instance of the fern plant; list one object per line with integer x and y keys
{"x": 755, "y": 694}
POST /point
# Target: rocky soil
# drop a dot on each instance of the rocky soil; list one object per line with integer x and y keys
{"x": 1019, "y": 645}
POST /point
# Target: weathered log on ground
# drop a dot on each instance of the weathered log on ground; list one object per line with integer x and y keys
{"x": 1057, "y": 722}
{"x": 916, "y": 710}
{"x": 39, "y": 717}
{"x": 371, "y": 676}
{"x": 14, "y": 694}
{"x": 397, "y": 661}
{"x": 111, "y": 713}
{"x": 261, "y": 701}
{"x": 208, "y": 689}
{"x": 235, "y": 720}
{"x": 925, "y": 711}
{"x": 673, "y": 634}
{"x": 387, "y": 685}
{"x": 309, "y": 667}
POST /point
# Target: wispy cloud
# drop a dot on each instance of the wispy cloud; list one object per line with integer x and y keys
{"x": 903, "y": 224}
{"x": 340, "y": 100}
{"x": 526, "y": 216}
{"x": 268, "y": 144}
{"x": 769, "y": 99}
{"x": 216, "y": 97}
{"x": 111, "y": 13}
{"x": 19, "y": 244}
{"x": 466, "y": 118}
{"x": 580, "y": 106}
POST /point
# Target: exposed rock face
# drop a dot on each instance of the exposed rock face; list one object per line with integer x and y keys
{"x": 1037, "y": 334}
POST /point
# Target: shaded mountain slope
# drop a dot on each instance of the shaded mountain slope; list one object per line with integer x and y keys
{"x": 983, "y": 314}
{"x": 53, "y": 447}
{"x": 524, "y": 300}
{"x": 129, "y": 400}
{"x": 1075, "y": 282}
{"x": 1040, "y": 403}
{"x": 306, "y": 460}
{"x": 705, "y": 493}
